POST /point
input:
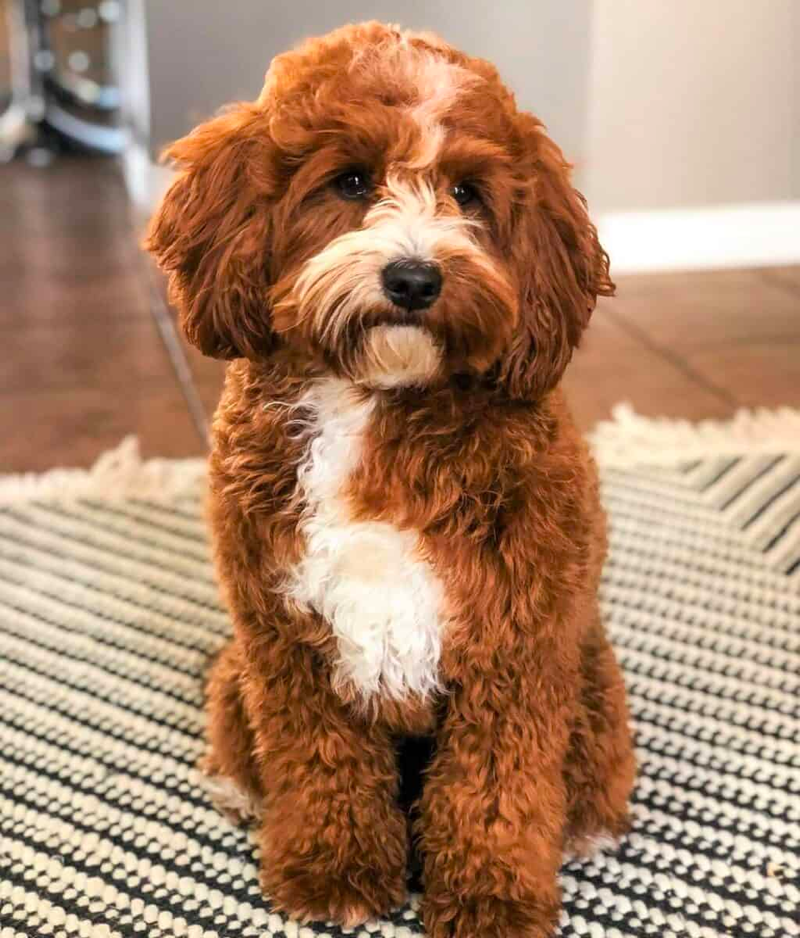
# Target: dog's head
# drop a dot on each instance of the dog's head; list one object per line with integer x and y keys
{"x": 384, "y": 210}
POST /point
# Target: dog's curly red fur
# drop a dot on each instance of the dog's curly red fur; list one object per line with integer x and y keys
{"x": 481, "y": 461}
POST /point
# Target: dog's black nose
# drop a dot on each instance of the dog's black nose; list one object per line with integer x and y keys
{"x": 412, "y": 284}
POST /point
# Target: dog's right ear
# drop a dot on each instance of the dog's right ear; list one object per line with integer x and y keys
{"x": 211, "y": 233}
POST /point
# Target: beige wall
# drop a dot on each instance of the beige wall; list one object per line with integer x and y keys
{"x": 693, "y": 102}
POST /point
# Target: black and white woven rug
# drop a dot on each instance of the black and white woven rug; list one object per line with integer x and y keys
{"x": 109, "y": 614}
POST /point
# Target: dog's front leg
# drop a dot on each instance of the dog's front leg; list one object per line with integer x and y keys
{"x": 333, "y": 841}
{"x": 493, "y": 808}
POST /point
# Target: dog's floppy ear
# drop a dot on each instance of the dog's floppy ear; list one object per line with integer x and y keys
{"x": 560, "y": 265}
{"x": 211, "y": 233}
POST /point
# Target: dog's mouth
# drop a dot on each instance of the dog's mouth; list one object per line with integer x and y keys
{"x": 397, "y": 316}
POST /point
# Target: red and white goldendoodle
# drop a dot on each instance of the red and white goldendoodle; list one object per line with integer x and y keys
{"x": 406, "y": 521}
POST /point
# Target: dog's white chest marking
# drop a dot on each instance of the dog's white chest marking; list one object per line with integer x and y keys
{"x": 366, "y": 578}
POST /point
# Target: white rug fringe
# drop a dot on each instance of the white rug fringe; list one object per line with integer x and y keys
{"x": 118, "y": 473}
{"x": 629, "y": 439}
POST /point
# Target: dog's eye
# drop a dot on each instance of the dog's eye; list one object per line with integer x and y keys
{"x": 354, "y": 184}
{"x": 465, "y": 194}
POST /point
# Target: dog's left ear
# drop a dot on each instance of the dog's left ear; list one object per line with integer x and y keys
{"x": 561, "y": 269}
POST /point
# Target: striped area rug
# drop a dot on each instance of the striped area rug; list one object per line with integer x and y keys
{"x": 109, "y": 616}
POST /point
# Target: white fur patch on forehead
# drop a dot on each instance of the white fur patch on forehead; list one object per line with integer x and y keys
{"x": 424, "y": 69}
{"x": 436, "y": 84}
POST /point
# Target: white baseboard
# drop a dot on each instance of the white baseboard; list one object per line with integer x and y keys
{"x": 145, "y": 180}
{"x": 754, "y": 234}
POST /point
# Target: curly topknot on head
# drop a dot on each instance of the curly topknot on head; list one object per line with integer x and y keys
{"x": 383, "y": 53}
{"x": 265, "y": 249}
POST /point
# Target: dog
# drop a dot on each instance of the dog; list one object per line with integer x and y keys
{"x": 406, "y": 522}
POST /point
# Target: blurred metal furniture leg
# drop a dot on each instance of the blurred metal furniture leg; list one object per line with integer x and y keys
{"x": 81, "y": 77}
{"x": 24, "y": 108}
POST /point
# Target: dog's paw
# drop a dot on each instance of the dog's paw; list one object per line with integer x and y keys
{"x": 582, "y": 847}
{"x": 485, "y": 917}
{"x": 348, "y": 900}
{"x": 237, "y": 804}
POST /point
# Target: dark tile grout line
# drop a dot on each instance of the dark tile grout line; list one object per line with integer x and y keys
{"x": 674, "y": 359}
{"x": 52, "y": 390}
{"x": 165, "y": 324}
{"x": 177, "y": 356}
{"x": 789, "y": 338}
{"x": 786, "y": 284}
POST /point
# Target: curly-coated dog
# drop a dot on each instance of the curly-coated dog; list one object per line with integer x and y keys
{"x": 406, "y": 521}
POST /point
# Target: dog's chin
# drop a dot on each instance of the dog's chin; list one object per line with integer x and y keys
{"x": 399, "y": 355}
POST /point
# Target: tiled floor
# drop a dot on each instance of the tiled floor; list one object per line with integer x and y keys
{"x": 696, "y": 345}
{"x": 88, "y": 354}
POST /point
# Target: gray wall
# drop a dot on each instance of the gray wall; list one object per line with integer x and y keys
{"x": 203, "y": 53}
